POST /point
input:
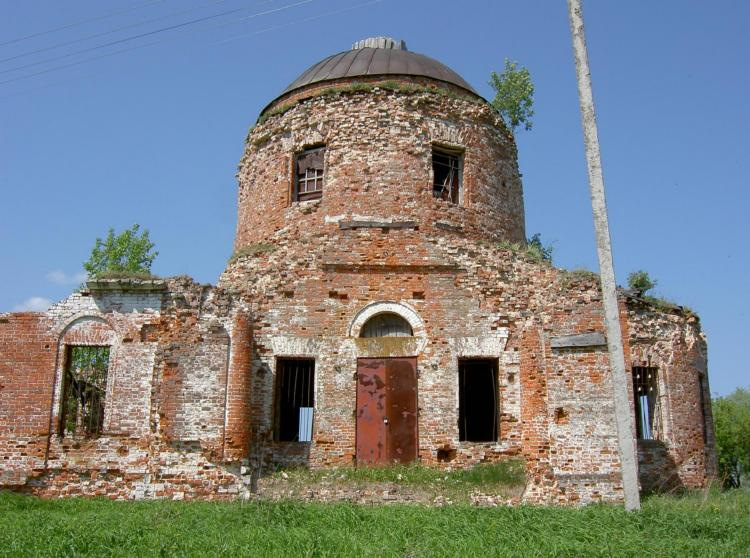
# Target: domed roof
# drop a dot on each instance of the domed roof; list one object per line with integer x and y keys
{"x": 377, "y": 56}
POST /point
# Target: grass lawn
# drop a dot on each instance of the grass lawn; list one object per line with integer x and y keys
{"x": 717, "y": 524}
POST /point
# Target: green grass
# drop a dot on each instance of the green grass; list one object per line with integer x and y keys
{"x": 503, "y": 473}
{"x": 717, "y": 525}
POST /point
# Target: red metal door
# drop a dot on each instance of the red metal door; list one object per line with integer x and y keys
{"x": 371, "y": 405}
{"x": 386, "y": 410}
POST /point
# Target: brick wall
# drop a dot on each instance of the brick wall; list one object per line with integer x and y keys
{"x": 27, "y": 364}
{"x": 190, "y": 403}
{"x": 670, "y": 340}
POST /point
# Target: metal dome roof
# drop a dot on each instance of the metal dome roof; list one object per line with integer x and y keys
{"x": 374, "y": 57}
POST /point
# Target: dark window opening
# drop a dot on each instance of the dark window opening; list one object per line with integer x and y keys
{"x": 478, "y": 400}
{"x": 386, "y": 325}
{"x": 294, "y": 399}
{"x": 646, "y": 394}
{"x": 446, "y": 168}
{"x": 308, "y": 174}
{"x": 84, "y": 389}
{"x": 702, "y": 388}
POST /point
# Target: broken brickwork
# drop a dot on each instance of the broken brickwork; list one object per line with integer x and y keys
{"x": 166, "y": 417}
{"x": 191, "y": 408}
{"x": 682, "y": 452}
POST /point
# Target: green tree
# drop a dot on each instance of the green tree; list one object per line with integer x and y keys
{"x": 732, "y": 427}
{"x": 514, "y": 95}
{"x": 640, "y": 282}
{"x": 128, "y": 253}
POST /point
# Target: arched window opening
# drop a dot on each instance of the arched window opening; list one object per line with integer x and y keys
{"x": 84, "y": 389}
{"x": 386, "y": 325}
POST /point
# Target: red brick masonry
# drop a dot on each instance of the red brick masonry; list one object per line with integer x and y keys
{"x": 189, "y": 408}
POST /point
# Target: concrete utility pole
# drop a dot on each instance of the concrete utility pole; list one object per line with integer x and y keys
{"x": 620, "y": 378}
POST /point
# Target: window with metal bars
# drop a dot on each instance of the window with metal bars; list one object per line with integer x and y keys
{"x": 478, "y": 400}
{"x": 646, "y": 394}
{"x": 386, "y": 325}
{"x": 84, "y": 389}
{"x": 446, "y": 170}
{"x": 308, "y": 174}
{"x": 295, "y": 382}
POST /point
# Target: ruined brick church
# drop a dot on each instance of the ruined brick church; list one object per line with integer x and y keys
{"x": 379, "y": 307}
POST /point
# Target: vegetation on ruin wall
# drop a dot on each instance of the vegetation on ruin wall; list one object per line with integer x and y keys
{"x": 252, "y": 250}
{"x": 695, "y": 525}
{"x": 533, "y": 249}
{"x": 126, "y": 255}
{"x": 358, "y": 87}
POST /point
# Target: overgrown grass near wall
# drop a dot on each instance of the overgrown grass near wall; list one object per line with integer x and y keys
{"x": 716, "y": 525}
{"x": 510, "y": 473}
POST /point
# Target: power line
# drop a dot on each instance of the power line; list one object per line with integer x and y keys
{"x": 124, "y": 40}
{"x": 81, "y": 22}
{"x": 258, "y": 32}
{"x": 244, "y": 18}
{"x": 303, "y": 20}
{"x": 54, "y": 84}
{"x": 115, "y": 30}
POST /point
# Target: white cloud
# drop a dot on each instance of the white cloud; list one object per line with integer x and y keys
{"x": 61, "y": 278}
{"x": 33, "y": 304}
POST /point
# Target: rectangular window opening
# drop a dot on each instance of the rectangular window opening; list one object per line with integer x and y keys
{"x": 446, "y": 170}
{"x": 478, "y": 400}
{"x": 702, "y": 396}
{"x": 308, "y": 174}
{"x": 646, "y": 394}
{"x": 84, "y": 390}
{"x": 295, "y": 387}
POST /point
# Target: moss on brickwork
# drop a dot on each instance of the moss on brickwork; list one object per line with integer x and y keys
{"x": 145, "y": 275}
{"x": 569, "y": 278}
{"x": 252, "y": 250}
{"x": 359, "y": 87}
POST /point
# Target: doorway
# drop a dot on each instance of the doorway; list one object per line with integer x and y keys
{"x": 386, "y": 427}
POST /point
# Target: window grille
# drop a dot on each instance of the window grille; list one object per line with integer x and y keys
{"x": 295, "y": 387}
{"x": 386, "y": 325}
{"x": 309, "y": 174}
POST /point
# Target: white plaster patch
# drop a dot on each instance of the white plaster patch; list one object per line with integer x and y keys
{"x": 489, "y": 346}
{"x": 296, "y": 346}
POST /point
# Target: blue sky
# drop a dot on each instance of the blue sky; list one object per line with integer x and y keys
{"x": 153, "y": 135}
